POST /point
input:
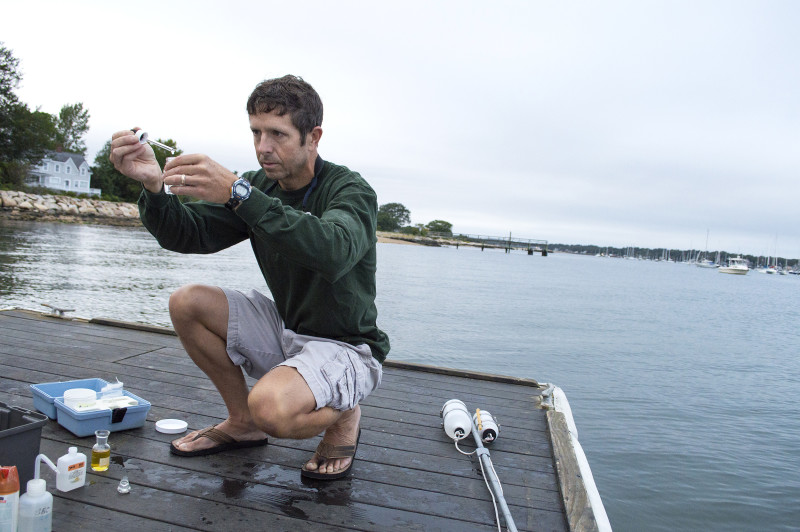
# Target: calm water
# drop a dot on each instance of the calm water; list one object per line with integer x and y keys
{"x": 684, "y": 382}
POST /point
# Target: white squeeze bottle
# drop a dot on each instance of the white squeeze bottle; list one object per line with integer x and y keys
{"x": 36, "y": 508}
{"x": 71, "y": 470}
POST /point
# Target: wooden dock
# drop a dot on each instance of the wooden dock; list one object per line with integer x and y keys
{"x": 507, "y": 244}
{"x": 407, "y": 474}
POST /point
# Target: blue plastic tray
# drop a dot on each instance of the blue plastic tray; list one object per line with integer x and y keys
{"x": 45, "y": 394}
{"x": 85, "y": 423}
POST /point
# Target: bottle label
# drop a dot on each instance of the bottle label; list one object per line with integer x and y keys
{"x": 8, "y": 510}
{"x": 76, "y": 472}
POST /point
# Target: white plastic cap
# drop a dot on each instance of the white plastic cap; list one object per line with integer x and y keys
{"x": 73, "y": 450}
{"x": 171, "y": 426}
{"x": 36, "y": 486}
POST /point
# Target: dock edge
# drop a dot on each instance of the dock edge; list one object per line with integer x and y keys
{"x": 582, "y": 503}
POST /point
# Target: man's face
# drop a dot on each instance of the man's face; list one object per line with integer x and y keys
{"x": 277, "y": 144}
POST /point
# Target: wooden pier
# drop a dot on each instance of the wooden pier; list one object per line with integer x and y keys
{"x": 495, "y": 242}
{"x": 407, "y": 474}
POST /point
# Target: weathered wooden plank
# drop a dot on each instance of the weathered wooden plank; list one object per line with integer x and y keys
{"x": 75, "y": 515}
{"x": 463, "y": 374}
{"x": 135, "y": 326}
{"x": 46, "y": 326}
{"x": 573, "y": 492}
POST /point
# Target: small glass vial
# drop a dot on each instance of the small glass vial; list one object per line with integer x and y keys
{"x": 124, "y": 485}
{"x": 166, "y": 186}
{"x": 101, "y": 451}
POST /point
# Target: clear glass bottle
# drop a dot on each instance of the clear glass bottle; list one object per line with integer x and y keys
{"x": 124, "y": 485}
{"x": 101, "y": 451}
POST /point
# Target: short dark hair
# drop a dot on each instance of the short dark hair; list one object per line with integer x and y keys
{"x": 289, "y": 94}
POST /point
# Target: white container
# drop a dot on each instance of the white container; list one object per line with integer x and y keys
{"x": 486, "y": 425}
{"x": 71, "y": 470}
{"x": 456, "y": 420}
{"x": 78, "y": 398}
{"x": 36, "y": 508}
{"x": 9, "y": 498}
{"x": 111, "y": 390}
{"x": 9, "y": 511}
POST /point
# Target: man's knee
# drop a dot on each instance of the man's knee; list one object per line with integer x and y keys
{"x": 279, "y": 400}
{"x": 195, "y": 303}
{"x": 270, "y": 412}
{"x": 183, "y": 301}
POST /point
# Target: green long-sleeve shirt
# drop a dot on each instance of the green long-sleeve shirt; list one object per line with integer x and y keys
{"x": 319, "y": 264}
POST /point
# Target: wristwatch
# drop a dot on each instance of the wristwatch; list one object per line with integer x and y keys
{"x": 240, "y": 191}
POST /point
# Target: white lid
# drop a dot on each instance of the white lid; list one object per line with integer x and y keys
{"x": 79, "y": 394}
{"x": 171, "y": 426}
{"x": 36, "y": 486}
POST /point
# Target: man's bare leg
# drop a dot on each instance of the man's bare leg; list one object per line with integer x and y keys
{"x": 283, "y": 406}
{"x": 200, "y": 317}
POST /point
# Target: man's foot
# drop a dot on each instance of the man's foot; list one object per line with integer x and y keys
{"x": 222, "y": 437}
{"x": 336, "y": 451}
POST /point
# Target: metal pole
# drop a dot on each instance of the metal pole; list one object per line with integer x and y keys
{"x": 494, "y": 482}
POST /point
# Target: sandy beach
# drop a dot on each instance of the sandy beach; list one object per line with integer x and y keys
{"x": 394, "y": 238}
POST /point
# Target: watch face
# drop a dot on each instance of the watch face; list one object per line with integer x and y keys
{"x": 241, "y": 189}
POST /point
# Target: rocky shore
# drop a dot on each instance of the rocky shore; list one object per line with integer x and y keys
{"x": 16, "y": 205}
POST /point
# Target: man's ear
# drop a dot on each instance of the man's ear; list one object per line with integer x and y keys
{"x": 314, "y": 135}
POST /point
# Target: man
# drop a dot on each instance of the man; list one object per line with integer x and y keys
{"x": 316, "y": 350}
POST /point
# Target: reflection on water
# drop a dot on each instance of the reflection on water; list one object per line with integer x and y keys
{"x": 683, "y": 381}
{"x": 102, "y": 271}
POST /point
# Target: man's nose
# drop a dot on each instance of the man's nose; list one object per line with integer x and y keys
{"x": 265, "y": 145}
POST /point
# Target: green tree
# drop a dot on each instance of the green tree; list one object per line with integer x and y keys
{"x": 10, "y": 76}
{"x": 440, "y": 226}
{"x": 31, "y": 135}
{"x": 25, "y": 135}
{"x": 392, "y": 216}
{"x": 9, "y": 81}
{"x": 72, "y": 125}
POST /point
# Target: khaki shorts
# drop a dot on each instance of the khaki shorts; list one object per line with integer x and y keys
{"x": 340, "y": 375}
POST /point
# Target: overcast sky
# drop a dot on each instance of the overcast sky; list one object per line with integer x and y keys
{"x": 621, "y": 123}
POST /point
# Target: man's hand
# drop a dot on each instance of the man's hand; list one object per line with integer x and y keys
{"x": 199, "y": 176}
{"x": 135, "y": 160}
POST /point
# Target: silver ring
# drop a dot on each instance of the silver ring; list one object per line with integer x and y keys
{"x": 183, "y": 180}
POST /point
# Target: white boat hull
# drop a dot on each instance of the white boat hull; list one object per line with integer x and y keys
{"x": 736, "y": 271}
{"x": 736, "y": 266}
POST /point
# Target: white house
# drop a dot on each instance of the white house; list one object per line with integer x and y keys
{"x": 68, "y": 172}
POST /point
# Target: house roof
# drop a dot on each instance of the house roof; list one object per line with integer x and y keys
{"x": 63, "y": 157}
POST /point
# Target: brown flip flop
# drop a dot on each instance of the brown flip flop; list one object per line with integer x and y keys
{"x": 326, "y": 451}
{"x": 224, "y": 443}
